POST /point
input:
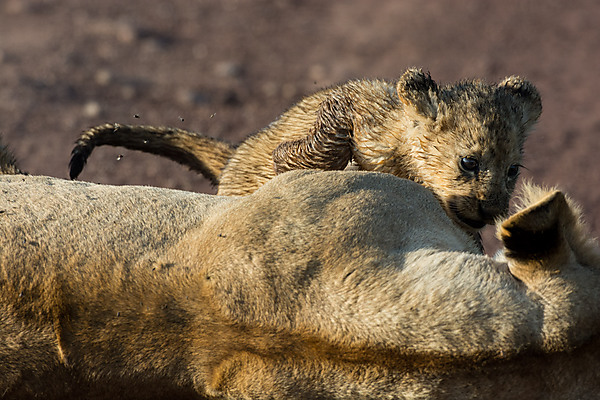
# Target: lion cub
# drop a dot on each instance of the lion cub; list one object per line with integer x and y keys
{"x": 463, "y": 141}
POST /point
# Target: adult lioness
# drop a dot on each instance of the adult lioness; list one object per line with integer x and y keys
{"x": 319, "y": 285}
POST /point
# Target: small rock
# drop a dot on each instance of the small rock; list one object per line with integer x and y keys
{"x": 229, "y": 69}
{"x": 103, "y": 77}
{"x": 190, "y": 97}
{"x": 91, "y": 109}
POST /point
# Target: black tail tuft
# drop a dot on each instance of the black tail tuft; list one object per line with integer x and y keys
{"x": 78, "y": 159}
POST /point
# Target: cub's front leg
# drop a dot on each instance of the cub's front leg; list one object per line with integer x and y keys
{"x": 326, "y": 147}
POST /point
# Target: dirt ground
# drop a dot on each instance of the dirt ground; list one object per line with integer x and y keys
{"x": 226, "y": 68}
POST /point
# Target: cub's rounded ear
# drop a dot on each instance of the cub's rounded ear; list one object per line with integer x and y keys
{"x": 416, "y": 89}
{"x": 527, "y": 94}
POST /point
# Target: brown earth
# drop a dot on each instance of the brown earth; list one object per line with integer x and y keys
{"x": 226, "y": 68}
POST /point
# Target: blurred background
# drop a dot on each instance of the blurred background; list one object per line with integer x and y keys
{"x": 227, "y": 68}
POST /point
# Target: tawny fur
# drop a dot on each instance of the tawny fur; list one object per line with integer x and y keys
{"x": 332, "y": 285}
{"x": 412, "y": 128}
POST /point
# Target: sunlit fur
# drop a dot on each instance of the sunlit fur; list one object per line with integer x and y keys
{"x": 332, "y": 285}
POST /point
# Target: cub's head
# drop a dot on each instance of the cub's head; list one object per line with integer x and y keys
{"x": 467, "y": 141}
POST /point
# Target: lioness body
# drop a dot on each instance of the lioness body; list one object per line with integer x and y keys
{"x": 355, "y": 286}
{"x": 462, "y": 141}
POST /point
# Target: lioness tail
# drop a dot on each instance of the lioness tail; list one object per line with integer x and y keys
{"x": 8, "y": 163}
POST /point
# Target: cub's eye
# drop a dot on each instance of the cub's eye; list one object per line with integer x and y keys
{"x": 513, "y": 171}
{"x": 469, "y": 164}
